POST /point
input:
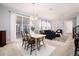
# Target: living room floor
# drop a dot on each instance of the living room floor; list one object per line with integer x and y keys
{"x": 61, "y": 46}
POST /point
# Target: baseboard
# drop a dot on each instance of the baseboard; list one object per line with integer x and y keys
{"x": 9, "y": 42}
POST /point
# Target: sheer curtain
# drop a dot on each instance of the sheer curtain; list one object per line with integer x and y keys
{"x": 13, "y": 26}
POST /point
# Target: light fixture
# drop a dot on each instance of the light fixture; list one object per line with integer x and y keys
{"x": 33, "y": 9}
{"x": 33, "y": 17}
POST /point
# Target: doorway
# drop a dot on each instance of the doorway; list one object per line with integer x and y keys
{"x": 68, "y": 26}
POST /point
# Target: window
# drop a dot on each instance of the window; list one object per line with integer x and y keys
{"x": 46, "y": 25}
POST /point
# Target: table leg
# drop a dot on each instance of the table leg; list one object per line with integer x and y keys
{"x": 43, "y": 40}
{"x": 38, "y": 44}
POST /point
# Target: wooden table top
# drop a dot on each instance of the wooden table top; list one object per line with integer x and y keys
{"x": 37, "y": 35}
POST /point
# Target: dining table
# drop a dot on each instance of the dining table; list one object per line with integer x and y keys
{"x": 37, "y": 38}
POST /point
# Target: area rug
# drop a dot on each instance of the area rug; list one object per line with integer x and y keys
{"x": 16, "y": 49}
{"x": 44, "y": 51}
{"x": 62, "y": 38}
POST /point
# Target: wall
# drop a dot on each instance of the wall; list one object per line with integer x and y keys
{"x": 68, "y": 26}
{"x": 77, "y": 19}
{"x": 74, "y": 21}
{"x": 77, "y": 22}
{"x": 5, "y": 21}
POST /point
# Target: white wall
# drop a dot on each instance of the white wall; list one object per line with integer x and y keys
{"x": 68, "y": 26}
{"x": 74, "y": 21}
{"x": 77, "y": 19}
{"x": 5, "y": 21}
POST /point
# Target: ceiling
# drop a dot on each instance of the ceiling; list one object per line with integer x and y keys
{"x": 48, "y": 10}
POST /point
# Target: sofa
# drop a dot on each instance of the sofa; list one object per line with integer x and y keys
{"x": 49, "y": 34}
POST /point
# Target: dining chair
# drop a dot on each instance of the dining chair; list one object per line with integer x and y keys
{"x": 76, "y": 41}
{"x": 24, "y": 39}
{"x": 31, "y": 43}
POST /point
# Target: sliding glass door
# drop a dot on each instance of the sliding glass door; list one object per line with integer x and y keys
{"x": 26, "y": 24}
{"x": 18, "y": 26}
{"x": 22, "y": 25}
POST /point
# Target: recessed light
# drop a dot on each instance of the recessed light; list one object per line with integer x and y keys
{"x": 50, "y": 9}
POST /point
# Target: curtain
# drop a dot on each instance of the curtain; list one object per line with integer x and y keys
{"x": 13, "y": 26}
